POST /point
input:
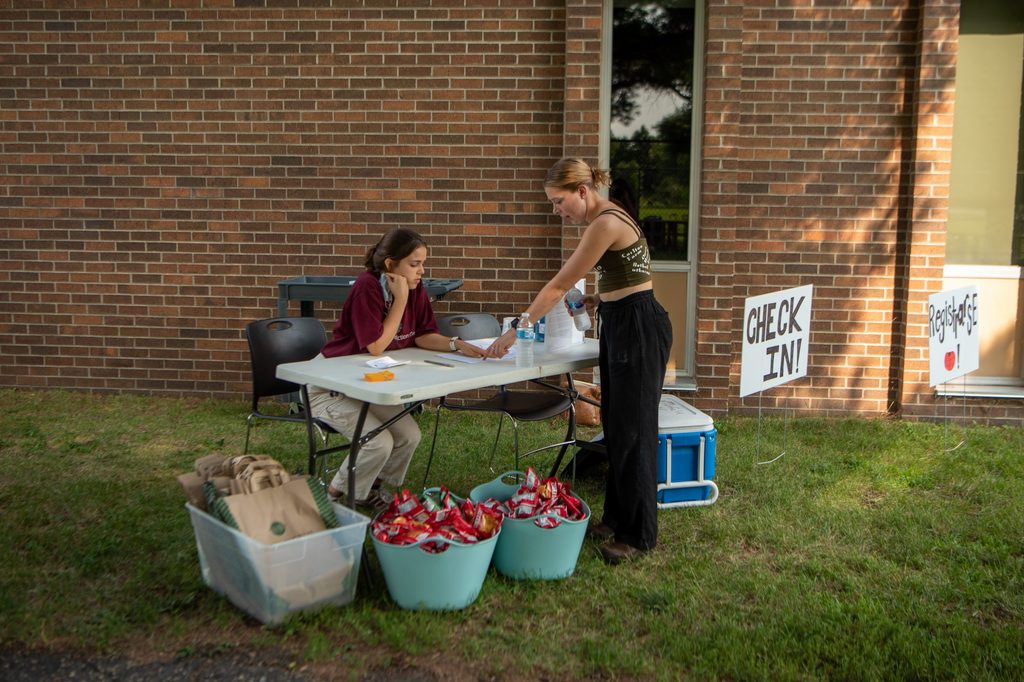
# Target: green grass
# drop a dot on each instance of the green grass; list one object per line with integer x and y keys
{"x": 866, "y": 552}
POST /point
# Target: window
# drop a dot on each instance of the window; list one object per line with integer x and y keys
{"x": 652, "y": 119}
{"x": 985, "y": 234}
{"x": 652, "y": 51}
{"x": 986, "y": 216}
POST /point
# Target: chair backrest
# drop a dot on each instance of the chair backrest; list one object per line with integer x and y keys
{"x": 469, "y": 326}
{"x": 278, "y": 340}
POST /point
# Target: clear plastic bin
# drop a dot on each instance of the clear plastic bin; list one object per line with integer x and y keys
{"x": 270, "y": 582}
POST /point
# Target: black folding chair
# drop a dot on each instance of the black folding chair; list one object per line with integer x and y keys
{"x": 516, "y": 405}
{"x": 275, "y": 341}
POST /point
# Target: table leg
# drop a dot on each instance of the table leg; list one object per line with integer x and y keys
{"x": 353, "y": 452}
{"x": 359, "y": 438}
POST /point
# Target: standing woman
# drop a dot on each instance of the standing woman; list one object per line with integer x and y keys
{"x": 387, "y": 309}
{"x": 636, "y": 336}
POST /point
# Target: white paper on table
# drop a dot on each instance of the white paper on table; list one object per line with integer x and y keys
{"x": 482, "y": 344}
{"x": 385, "y": 361}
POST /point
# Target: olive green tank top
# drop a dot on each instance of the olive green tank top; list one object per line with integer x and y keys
{"x": 621, "y": 268}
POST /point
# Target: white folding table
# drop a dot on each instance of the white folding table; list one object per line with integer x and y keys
{"x": 419, "y": 381}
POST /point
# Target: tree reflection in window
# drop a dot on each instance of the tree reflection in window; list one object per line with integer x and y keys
{"x": 651, "y": 112}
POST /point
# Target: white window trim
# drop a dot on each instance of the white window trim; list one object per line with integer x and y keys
{"x": 982, "y": 272}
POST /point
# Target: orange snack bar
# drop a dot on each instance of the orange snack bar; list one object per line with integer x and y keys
{"x": 383, "y": 375}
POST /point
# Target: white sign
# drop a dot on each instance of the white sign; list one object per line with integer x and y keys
{"x": 776, "y": 336}
{"x": 952, "y": 334}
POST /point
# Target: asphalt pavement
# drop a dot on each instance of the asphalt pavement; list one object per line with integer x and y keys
{"x": 43, "y": 666}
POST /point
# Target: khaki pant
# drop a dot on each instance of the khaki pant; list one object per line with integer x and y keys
{"x": 386, "y": 456}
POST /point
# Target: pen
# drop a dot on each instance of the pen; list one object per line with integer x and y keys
{"x": 438, "y": 362}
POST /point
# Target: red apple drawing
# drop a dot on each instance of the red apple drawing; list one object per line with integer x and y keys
{"x": 950, "y": 360}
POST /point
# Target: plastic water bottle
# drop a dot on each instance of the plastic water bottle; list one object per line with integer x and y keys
{"x": 524, "y": 342}
{"x": 580, "y": 318}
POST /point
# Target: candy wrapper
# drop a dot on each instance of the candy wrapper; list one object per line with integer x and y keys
{"x": 536, "y": 497}
{"x": 439, "y": 514}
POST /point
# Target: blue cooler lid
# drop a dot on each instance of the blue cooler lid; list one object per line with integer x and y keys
{"x": 677, "y": 416}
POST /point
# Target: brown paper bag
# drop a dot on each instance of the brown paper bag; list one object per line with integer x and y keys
{"x": 192, "y": 483}
{"x": 276, "y": 514}
{"x": 234, "y": 466}
{"x": 587, "y": 414}
{"x": 210, "y": 466}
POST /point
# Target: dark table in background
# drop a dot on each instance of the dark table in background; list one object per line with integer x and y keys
{"x": 310, "y": 288}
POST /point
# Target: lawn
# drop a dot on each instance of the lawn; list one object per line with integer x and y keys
{"x": 867, "y": 551}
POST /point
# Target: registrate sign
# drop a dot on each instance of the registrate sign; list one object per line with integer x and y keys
{"x": 776, "y": 336}
{"x": 952, "y": 334}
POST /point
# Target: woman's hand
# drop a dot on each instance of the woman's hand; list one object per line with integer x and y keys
{"x": 399, "y": 287}
{"x": 499, "y": 348}
{"x": 467, "y": 348}
{"x": 591, "y": 301}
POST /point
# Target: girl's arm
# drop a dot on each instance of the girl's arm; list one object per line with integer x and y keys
{"x": 440, "y": 343}
{"x": 393, "y": 318}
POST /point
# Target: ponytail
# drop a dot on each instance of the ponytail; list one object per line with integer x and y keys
{"x": 570, "y": 173}
{"x": 396, "y": 245}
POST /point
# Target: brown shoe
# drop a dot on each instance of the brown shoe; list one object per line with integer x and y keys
{"x": 600, "y": 531}
{"x": 617, "y": 552}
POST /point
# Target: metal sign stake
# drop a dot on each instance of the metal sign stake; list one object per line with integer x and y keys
{"x": 785, "y": 431}
{"x": 945, "y": 418}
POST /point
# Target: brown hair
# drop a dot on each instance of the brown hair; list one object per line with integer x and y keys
{"x": 570, "y": 173}
{"x": 396, "y": 245}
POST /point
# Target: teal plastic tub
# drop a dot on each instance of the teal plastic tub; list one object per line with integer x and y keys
{"x": 526, "y": 551}
{"x": 419, "y": 580}
{"x": 422, "y": 581}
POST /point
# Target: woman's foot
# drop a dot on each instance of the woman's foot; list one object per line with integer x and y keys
{"x": 618, "y": 552}
{"x": 600, "y": 531}
{"x": 376, "y": 501}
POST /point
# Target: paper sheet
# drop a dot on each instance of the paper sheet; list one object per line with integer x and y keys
{"x": 385, "y": 362}
{"x": 482, "y": 344}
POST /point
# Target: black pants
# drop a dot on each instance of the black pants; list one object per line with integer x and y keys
{"x": 636, "y": 337}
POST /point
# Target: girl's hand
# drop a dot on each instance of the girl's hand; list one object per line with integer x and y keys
{"x": 399, "y": 287}
{"x": 591, "y": 301}
{"x": 467, "y": 348}
{"x": 499, "y": 348}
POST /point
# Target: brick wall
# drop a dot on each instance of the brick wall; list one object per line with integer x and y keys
{"x": 813, "y": 173}
{"x": 162, "y": 169}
